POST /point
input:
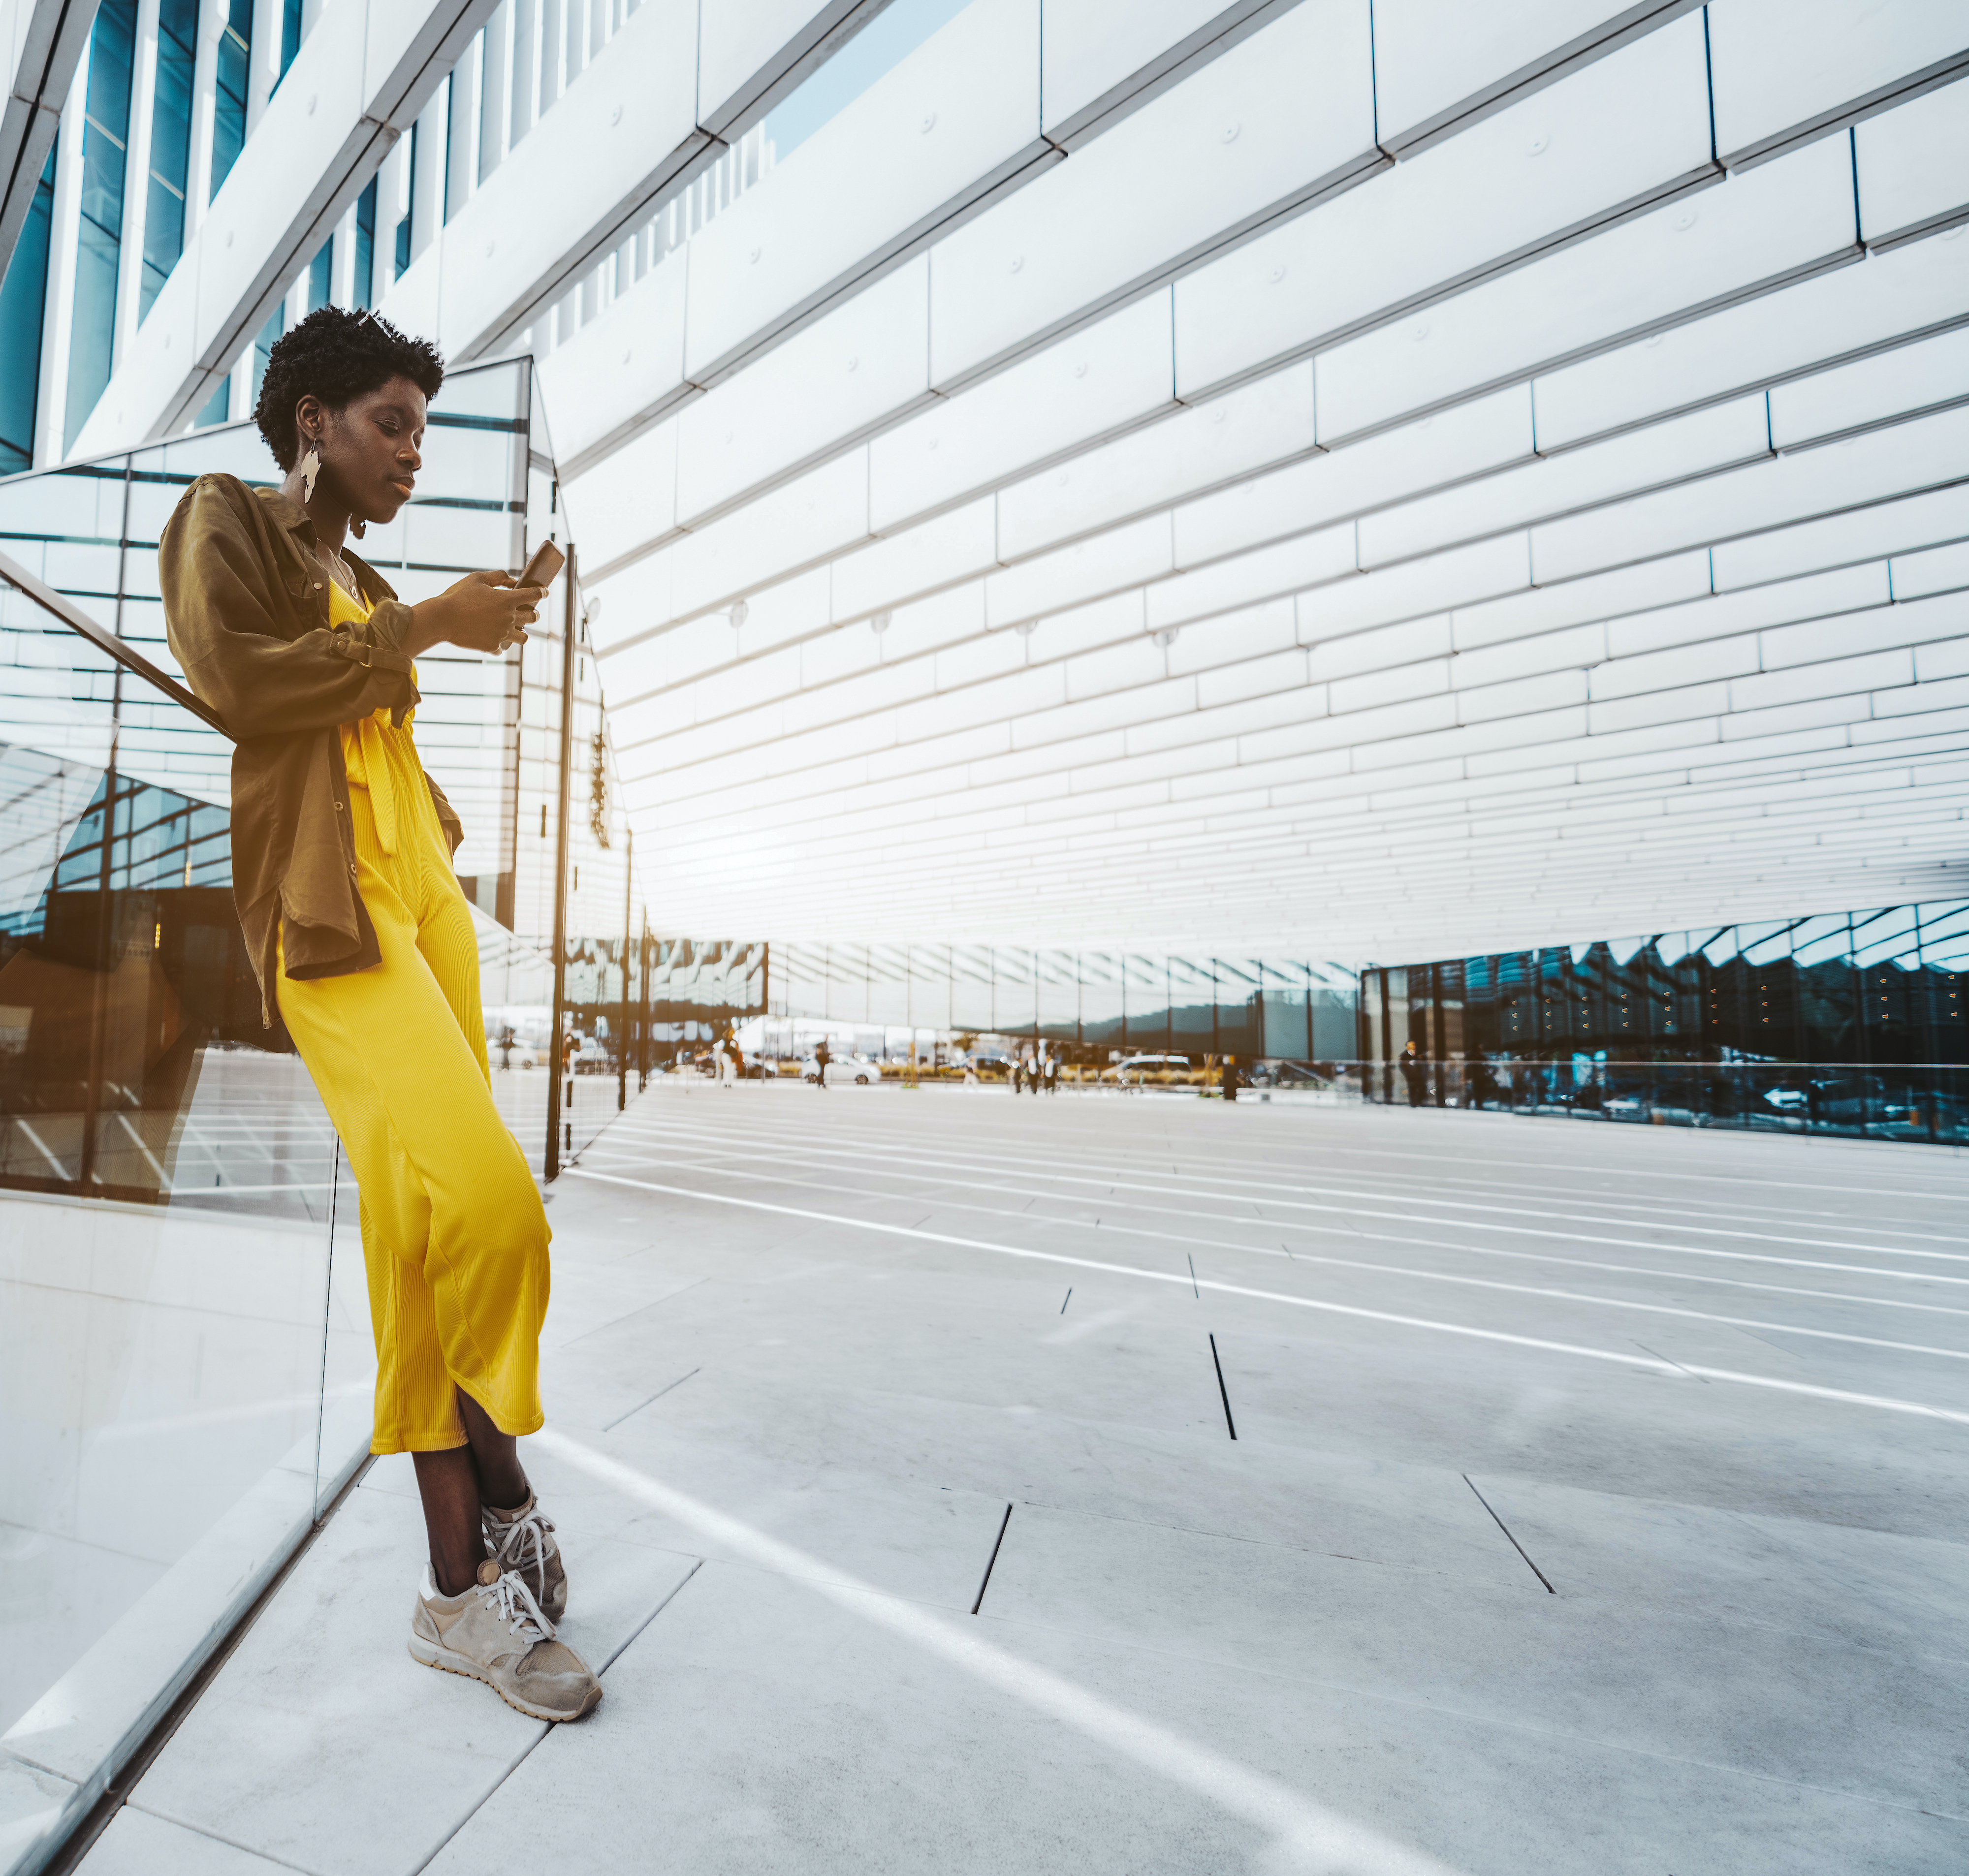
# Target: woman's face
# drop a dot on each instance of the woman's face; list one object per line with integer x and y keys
{"x": 369, "y": 448}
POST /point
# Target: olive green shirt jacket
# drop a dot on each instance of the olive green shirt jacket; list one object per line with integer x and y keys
{"x": 246, "y": 610}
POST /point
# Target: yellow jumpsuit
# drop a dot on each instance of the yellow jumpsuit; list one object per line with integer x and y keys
{"x": 454, "y": 1234}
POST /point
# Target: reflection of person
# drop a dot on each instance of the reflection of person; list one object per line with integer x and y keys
{"x": 1482, "y": 1083}
{"x": 1413, "y": 1074}
{"x": 1228, "y": 1078}
{"x": 342, "y": 857}
{"x": 822, "y": 1056}
{"x": 506, "y": 1045}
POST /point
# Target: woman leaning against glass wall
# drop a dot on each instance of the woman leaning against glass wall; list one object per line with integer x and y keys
{"x": 342, "y": 851}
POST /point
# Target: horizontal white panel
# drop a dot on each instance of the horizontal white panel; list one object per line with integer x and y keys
{"x": 1789, "y": 69}
{"x": 1255, "y": 633}
{"x": 1762, "y": 340}
{"x": 628, "y": 501}
{"x": 825, "y": 510}
{"x": 886, "y": 573}
{"x": 1701, "y": 663}
{"x": 1871, "y": 468}
{"x": 1289, "y": 108}
{"x": 1939, "y": 570}
{"x": 624, "y": 363}
{"x": 1913, "y": 165}
{"x": 1483, "y": 434}
{"x": 1383, "y": 650}
{"x": 1676, "y": 451}
{"x": 1880, "y": 670}
{"x": 1436, "y": 61}
{"x": 1723, "y": 615}
{"x": 1625, "y": 128}
{"x": 1891, "y": 527}
{"x": 1872, "y": 390}
{"x": 1459, "y": 578}
{"x": 624, "y": 130}
{"x": 1089, "y": 569}
{"x": 960, "y": 110}
{"x": 829, "y": 384}
{"x": 1814, "y": 641}
{"x": 1577, "y": 647}
{"x": 1098, "y": 53}
{"x": 1575, "y": 602}
{"x": 1270, "y": 571}
{"x": 749, "y": 54}
{"x": 1075, "y": 392}
{"x": 1194, "y": 449}
{"x": 1753, "y": 230}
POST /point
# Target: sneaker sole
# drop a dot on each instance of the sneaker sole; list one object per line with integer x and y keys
{"x": 464, "y": 1666}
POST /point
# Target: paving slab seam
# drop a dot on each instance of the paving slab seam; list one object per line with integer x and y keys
{"x": 232, "y": 1843}
{"x": 547, "y": 1729}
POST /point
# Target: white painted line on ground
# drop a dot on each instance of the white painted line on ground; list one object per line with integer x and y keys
{"x": 1307, "y": 1836}
{"x": 1391, "y": 1270}
{"x": 1301, "y": 1302}
{"x": 1025, "y": 1164}
{"x": 1471, "y": 1224}
{"x": 715, "y": 1162}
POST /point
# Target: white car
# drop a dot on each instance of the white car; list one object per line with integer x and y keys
{"x": 1139, "y": 1070}
{"x": 855, "y": 1068}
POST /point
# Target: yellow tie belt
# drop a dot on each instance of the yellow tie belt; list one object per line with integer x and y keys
{"x": 367, "y": 765}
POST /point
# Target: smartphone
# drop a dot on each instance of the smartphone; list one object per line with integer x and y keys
{"x": 547, "y": 561}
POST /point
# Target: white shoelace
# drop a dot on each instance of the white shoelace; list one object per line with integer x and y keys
{"x": 523, "y": 1544}
{"x": 512, "y": 1602}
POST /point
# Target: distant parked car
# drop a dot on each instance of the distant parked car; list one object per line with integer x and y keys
{"x": 855, "y": 1068}
{"x": 1145, "y": 1071}
{"x": 593, "y": 1057}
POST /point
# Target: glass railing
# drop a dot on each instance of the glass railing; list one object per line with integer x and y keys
{"x": 186, "y": 1357}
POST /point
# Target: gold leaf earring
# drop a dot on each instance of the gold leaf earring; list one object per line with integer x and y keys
{"x": 310, "y": 468}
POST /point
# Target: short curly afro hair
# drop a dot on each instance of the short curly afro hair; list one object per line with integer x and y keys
{"x": 337, "y": 355}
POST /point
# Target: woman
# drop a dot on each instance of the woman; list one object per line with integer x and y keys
{"x": 341, "y": 852}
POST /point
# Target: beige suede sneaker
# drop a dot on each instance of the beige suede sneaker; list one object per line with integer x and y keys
{"x": 496, "y": 1632}
{"x": 523, "y": 1540}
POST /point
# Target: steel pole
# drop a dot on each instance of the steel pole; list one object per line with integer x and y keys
{"x": 556, "y": 1054}
{"x": 628, "y": 908}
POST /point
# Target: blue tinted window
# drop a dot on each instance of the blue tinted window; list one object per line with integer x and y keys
{"x": 229, "y": 112}
{"x": 363, "y": 290}
{"x": 106, "y": 133}
{"x": 321, "y": 276}
{"x": 21, "y": 299}
{"x": 170, "y": 146}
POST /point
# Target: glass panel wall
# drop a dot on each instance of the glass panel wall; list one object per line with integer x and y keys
{"x": 1845, "y": 1023}
{"x": 186, "y": 1359}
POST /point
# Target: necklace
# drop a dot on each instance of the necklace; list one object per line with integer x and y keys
{"x": 338, "y": 570}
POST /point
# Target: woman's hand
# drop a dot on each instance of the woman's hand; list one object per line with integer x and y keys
{"x": 484, "y": 612}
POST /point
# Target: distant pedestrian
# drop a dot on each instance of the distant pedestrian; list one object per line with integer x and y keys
{"x": 1482, "y": 1084}
{"x": 1414, "y": 1074}
{"x": 1052, "y": 1074}
{"x": 728, "y": 1065}
{"x": 1228, "y": 1078}
{"x": 822, "y": 1056}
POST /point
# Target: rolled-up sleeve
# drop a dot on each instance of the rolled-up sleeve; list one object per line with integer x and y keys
{"x": 222, "y": 619}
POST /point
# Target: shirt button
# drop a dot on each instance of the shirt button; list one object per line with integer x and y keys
{"x": 352, "y": 870}
{"x": 317, "y": 586}
{"x": 338, "y": 808}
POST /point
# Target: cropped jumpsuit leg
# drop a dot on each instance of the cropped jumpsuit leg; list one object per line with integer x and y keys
{"x": 454, "y": 1234}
